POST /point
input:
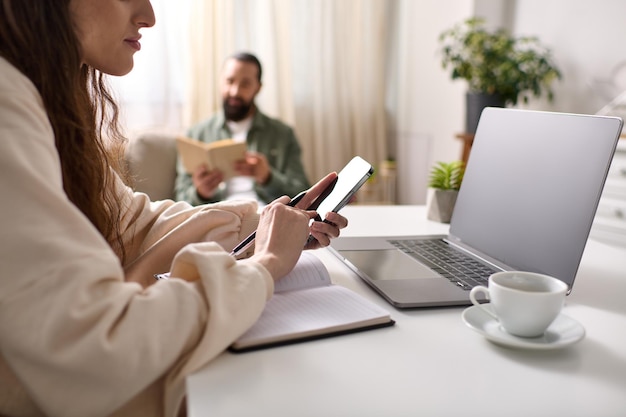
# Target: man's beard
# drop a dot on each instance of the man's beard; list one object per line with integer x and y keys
{"x": 236, "y": 112}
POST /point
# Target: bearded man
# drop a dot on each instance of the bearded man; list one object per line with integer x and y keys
{"x": 272, "y": 166}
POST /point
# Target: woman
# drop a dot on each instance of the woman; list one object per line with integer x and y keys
{"x": 84, "y": 328}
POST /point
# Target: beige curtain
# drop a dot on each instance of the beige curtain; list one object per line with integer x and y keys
{"x": 324, "y": 67}
{"x": 210, "y": 40}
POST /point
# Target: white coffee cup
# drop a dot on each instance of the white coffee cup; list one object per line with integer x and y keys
{"x": 525, "y": 303}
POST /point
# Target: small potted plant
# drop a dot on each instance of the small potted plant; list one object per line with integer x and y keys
{"x": 444, "y": 183}
{"x": 500, "y": 69}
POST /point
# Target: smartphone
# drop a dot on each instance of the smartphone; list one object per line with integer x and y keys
{"x": 348, "y": 182}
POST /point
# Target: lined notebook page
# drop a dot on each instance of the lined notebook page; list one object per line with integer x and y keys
{"x": 313, "y": 311}
{"x": 308, "y": 272}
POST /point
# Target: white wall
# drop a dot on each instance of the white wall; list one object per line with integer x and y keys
{"x": 427, "y": 108}
{"x": 588, "y": 39}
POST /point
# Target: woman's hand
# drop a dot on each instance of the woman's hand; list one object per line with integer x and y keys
{"x": 283, "y": 231}
{"x": 322, "y": 231}
{"x": 280, "y": 236}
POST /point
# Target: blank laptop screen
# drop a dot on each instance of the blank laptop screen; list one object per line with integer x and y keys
{"x": 536, "y": 177}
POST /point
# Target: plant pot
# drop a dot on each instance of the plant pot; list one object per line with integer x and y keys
{"x": 474, "y": 105}
{"x": 440, "y": 204}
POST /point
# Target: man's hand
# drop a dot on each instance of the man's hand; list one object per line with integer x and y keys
{"x": 206, "y": 182}
{"x": 254, "y": 165}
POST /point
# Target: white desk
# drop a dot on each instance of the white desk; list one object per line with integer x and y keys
{"x": 430, "y": 363}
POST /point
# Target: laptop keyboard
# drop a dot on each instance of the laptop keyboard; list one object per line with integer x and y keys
{"x": 459, "y": 268}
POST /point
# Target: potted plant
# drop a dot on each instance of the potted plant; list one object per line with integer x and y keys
{"x": 500, "y": 69}
{"x": 444, "y": 183}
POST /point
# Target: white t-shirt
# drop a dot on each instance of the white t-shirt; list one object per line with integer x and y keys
{"x": 241, "y": 187}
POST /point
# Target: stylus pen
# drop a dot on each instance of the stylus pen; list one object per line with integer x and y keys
{"x": 247, "y": 242}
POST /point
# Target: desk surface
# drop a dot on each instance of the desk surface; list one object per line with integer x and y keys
{"x": 430, "y": 363}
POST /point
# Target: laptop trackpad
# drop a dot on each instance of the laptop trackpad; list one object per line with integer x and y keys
{"x": 391, "y": 264}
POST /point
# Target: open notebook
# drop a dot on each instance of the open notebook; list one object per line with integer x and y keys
{"x": 306, "y": 305}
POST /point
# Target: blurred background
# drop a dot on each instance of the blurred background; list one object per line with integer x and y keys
{"x": 363, "y": 77}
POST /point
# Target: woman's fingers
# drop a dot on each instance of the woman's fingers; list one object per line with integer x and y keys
{"x": 316, "y": 190}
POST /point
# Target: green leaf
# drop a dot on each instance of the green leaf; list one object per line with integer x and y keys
{"x": 498, "y": 63}
{"x": 447, "y": 176}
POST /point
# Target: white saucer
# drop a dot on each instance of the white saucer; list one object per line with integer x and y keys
{"x": 564, "y": 331}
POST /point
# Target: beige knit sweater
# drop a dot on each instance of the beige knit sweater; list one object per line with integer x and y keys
{"x": 78, "y": 339}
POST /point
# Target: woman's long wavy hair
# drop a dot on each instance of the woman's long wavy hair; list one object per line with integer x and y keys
{"x": 39, "y": 38}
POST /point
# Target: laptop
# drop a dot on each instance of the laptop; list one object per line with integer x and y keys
{"x": 527, "y": 202}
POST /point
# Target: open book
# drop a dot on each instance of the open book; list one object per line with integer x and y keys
{"x": 306, "y": 306}
{"x": 221, "y": 154}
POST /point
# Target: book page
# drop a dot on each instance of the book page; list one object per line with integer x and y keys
{"x": 315, "y": 311}
{"x": 308, "y": 272}
{"x": 193, "y": 153}
{"x": 224, "y": 153}
{"x": 220, "y": 155}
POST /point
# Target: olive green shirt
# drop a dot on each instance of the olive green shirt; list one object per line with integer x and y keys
{"x": 268, "y": 136}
